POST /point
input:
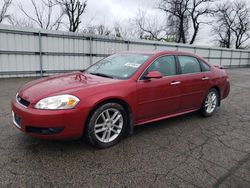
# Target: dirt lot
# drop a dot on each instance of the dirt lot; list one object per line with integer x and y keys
{"x": 187, "y": 151}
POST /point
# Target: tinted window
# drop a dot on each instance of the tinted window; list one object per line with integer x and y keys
{"x": 204, "y": 66}
{"x": 165, "y": 65}
{"x": 189, "y": 64}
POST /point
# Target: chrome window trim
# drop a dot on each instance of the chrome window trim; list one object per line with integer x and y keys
{"x": 190, "y": 73}
{"x": 19, "y": 102}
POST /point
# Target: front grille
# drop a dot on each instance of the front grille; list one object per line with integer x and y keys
{"x": 44, "y": 131}
{"x": 22, "y": 101}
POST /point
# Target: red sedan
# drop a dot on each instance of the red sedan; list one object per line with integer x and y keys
{"x": 117, "y": 93}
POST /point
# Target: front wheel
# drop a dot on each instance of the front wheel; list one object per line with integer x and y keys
{"x": 107, "y": 125}
{"x": 210, "y": 103}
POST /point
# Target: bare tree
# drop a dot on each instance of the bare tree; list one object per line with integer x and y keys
{"x": 74, "y": 10}
{"x": 125, "y": 29}
{"x": 225, "y": 19}
{"x": 177, "y": 14}
{"x": 43, "y": 15}
{"x": 149, "y": 27}
{"x": 233, "y": 24}
{"x": 103, "y": 30}
{"x": 181, "y": 12}
{"x": 98, "y": 30}
{"x": 20, "y": 22}
{"x": 197, "y": 10}
{"x": 118, "y": 31}
{"x": 4, "y": 6}
{"x": 242, "y": 24}
{"x": 89, "y": 30}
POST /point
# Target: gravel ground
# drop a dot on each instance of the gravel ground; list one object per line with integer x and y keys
{"x": 186, "y": 151}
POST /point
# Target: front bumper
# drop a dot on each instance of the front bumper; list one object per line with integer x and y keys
{"x": 226, "y": 89}
{"x": 49, "y": 124}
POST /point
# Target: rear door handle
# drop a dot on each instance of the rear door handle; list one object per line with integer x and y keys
{"x": 175, "y": 83}
{"x": 205, "y": 78}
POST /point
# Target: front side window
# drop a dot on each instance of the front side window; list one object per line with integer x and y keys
{"x": 119, "y": 66}
{"x": 189, "y": 64}
{"x": 165, "y": 65}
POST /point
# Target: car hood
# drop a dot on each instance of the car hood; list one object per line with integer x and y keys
{"x": 60, "y": 84}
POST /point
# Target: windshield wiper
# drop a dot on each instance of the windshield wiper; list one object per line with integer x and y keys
{"x": 101, "y": 74}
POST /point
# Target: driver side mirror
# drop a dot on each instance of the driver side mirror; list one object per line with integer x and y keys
{"x": 153, "y": 74}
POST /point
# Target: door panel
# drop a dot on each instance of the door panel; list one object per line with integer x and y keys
{"x": 194, "y": 83}
{"x": 193, "y": 89}
{"x": 158, "y": 98}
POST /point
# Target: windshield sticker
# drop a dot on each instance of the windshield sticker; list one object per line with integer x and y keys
{"x": 134, "y": 65}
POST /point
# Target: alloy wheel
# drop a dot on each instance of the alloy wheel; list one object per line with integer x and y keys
{"x": 108, "y": 125}
{"x": 211, "y": 102}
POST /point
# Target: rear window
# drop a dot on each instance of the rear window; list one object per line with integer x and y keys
{"x": 204, "y": 67}
{"x": 189, "y": 64}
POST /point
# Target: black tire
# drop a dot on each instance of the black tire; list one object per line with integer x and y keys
{"x": 204, "y": 111}
{"x": 92, "y": 137}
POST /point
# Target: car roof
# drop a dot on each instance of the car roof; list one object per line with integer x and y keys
{"x": 159, "y": 53}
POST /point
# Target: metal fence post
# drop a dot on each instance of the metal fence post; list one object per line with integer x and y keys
{"x": 248, "y": 63}
{"x": 209, "y": 53}
{"x": 221, "y": 57}
{"x": 240, "y": 58}
{"x": 127, "y": 45}
{"x": 90, "y": 50}
{"x": 231, "y": 59}
{"x": 40, "y": 53}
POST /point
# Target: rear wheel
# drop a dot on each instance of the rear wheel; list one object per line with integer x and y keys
{"x": 210, "y": 103}
{"x": 107, "y": 125}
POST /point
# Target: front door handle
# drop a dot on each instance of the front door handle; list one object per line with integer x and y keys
{"x": 205, "y": 78}
{"x": 175, "y": 83}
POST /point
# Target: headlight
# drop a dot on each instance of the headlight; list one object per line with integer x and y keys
{"x": 58, "y": 102}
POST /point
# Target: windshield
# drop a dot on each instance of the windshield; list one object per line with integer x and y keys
{"x": 119, "y": 66}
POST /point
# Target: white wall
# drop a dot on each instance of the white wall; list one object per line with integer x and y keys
{"x": 24, "y": 52}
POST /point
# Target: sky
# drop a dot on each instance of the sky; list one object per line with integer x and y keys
{"x": 116, "y": 10}
{"x": 108, "y": 12}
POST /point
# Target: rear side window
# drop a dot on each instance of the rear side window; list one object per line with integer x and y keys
{"x": 189, "y": 64}
{"x": 204, "y": 66}
{"x": 165, "y": 65}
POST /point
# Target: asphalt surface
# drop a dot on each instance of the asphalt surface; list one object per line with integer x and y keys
{"x": 187, "y": 151}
